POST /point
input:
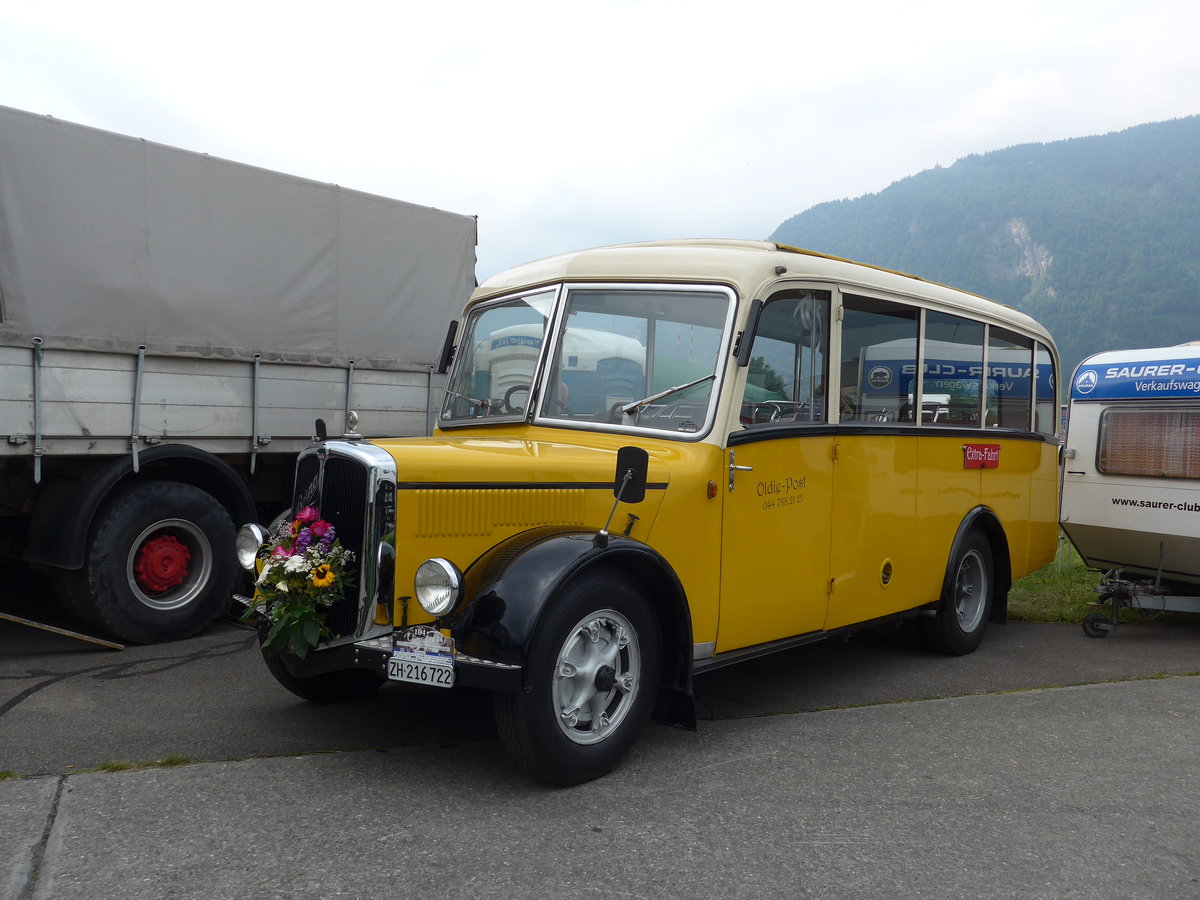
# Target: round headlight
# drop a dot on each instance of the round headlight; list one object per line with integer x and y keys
{"x": 249, "y": 539}
{"x": 438, "y": 586}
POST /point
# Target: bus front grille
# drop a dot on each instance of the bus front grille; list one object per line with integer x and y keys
{"x": 339, "y": 489}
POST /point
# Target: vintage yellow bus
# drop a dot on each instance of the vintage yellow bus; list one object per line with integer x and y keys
{"x": 656, "y": 459}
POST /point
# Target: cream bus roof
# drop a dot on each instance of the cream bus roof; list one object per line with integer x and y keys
{"x": 746, "y": 266}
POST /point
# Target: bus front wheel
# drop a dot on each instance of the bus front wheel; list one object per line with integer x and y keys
{"x": 593, "y": 676}
{"x": 961, "y": 619}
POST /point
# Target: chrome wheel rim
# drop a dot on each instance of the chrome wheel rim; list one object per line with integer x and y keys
{"x": 596, "y": 676}
{"x": 970, "y": 591}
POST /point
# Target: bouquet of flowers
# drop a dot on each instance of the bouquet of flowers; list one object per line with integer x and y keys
{"x": 304, "y": 572}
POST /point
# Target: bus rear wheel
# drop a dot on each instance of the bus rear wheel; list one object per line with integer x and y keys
{"x": 962, "y": 614}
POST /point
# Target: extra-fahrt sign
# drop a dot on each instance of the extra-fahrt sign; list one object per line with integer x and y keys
{"x": 981, "y": 456}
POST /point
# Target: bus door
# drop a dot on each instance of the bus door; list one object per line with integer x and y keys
{"x": 874, "y": 531}
{"x": 778, "y": 490}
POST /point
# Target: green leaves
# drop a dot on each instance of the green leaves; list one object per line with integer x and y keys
{"x": 297, "y": 626}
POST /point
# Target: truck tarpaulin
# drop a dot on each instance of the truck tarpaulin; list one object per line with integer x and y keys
{"x": 109, "y": 242}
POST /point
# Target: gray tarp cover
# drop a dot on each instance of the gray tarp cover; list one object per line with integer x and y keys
{"x": 108, "y": 242}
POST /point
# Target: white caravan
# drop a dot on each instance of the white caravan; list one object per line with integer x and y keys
{"x": 1131, "y": 478}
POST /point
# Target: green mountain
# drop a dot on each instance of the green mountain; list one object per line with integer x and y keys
{"x": 1097, "y": 237}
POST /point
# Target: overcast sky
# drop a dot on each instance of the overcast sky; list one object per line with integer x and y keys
{"x": 563, "y": 125}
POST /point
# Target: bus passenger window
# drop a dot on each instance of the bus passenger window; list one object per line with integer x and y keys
{"x": 952, "y": 369}
{"x": 1046, "y": 410}
{"x": 1009, "y": 385}
{"x": 879, "y": 361}
{"x": 787, "y": 373}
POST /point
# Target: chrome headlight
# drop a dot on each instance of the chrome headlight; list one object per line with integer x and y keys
{"x": 438, "y": 586}
{"x": 249, "y": 539}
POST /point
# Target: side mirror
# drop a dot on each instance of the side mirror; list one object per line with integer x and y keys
{"x": 746, "y": 339}
{"x": 448, "y": 348}
{"x": 629, "y": 485}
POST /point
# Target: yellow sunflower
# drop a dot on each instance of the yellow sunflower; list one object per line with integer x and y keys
{"x": 322, "y": 576}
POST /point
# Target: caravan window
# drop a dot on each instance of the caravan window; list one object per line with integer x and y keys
{"x": 1154, "y": 443}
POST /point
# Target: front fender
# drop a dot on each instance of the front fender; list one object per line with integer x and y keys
{"x": 510, "y": 588}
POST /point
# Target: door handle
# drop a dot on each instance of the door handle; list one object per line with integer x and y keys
{"x": 733, "y": 469}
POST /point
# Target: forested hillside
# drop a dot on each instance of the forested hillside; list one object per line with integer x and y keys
{"x": 1097, "y": 237}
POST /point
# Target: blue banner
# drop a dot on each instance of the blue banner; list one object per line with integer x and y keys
{"x": 516, "y": 340}
{"x": 1160, "y": 379}
{"x": 895, "y": 376}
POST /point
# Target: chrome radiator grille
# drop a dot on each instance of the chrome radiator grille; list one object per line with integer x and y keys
{"x": 340, "y": 487}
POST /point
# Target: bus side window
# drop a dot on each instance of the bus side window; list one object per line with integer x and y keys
{"x": 1046, "y": 411}
{"x": 953, "y": 367}
{"x": 788, "y": 361}
{"x": 879, "y": 360}
{"x": 1010, "y": 387}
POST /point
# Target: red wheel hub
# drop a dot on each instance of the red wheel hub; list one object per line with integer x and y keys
{"x": 162, "y": 563}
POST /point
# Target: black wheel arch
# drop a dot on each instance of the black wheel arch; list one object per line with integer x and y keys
{"x": 66, "y": 506}
{"x": 510, "y": 588}
{"x": 988, "y": 523}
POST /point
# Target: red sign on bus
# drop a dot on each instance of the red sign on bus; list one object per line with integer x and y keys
{"x": 981, "y": 456}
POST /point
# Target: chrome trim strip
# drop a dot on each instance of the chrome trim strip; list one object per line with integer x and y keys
{"x": 462, "y": 659}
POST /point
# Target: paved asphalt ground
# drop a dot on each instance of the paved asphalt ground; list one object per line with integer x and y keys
{"x": 1047, "y": 764}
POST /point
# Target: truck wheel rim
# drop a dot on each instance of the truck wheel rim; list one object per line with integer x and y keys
{"x": 169, "y": 564}
{"x": 596, "y": 677}
{"x": 970, "y": 591}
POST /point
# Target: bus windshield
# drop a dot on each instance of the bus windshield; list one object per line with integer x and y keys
{"x": 620, "y": 357}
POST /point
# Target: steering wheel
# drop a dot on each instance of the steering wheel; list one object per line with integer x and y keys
{"x": 508, "y": 395}
{"x": 553, "y": 404}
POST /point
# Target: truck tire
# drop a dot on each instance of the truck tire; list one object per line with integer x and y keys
{"x": 593, "y": 678}
{"x": 159, "y": 564}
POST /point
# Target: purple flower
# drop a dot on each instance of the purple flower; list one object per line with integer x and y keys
{"x": 303, "y": 539}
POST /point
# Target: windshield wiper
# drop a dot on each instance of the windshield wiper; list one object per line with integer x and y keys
{"x": 637, "y": 405}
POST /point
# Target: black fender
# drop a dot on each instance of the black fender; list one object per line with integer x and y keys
{"x": 987, "y": 522}
{"x": 58, "y": 528}
{"x": 511, "y": 586}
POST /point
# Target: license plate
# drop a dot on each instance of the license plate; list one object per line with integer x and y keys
{"x": 422, "y": 655}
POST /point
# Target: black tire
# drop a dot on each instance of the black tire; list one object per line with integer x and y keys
{"x": 159, "y": 564}
{"x": 966, "y": 603}
{"x": 1096, "y": 625}
{"x": 595, "y": 658}
{"x": 330, "y": 687}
